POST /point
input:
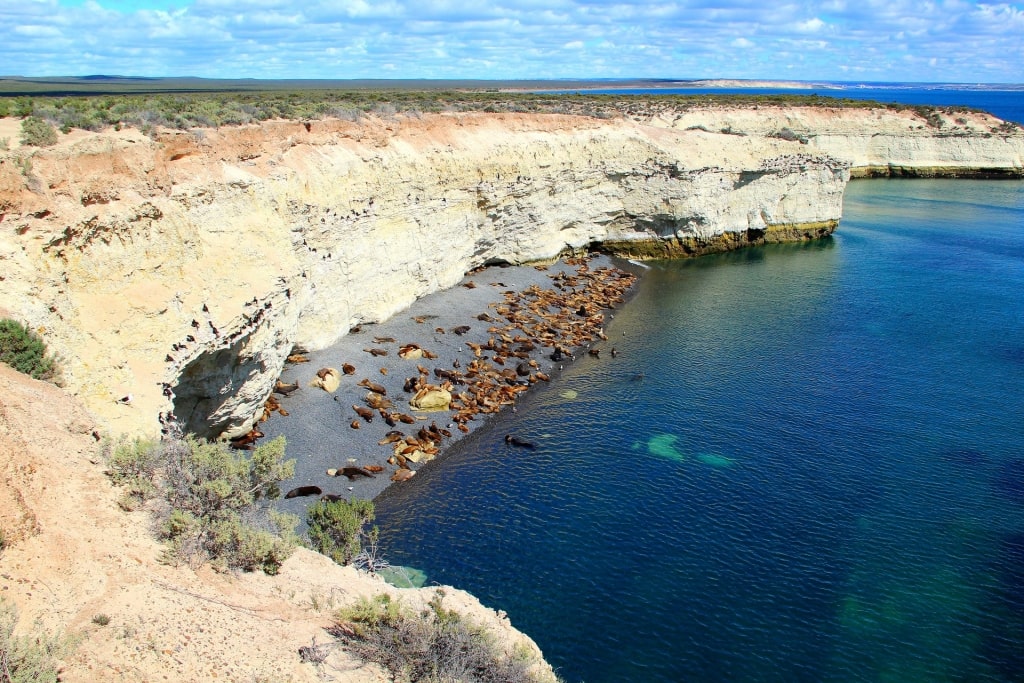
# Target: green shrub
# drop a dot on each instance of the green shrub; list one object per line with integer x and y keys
{"x": 133, "y": 465}
{"x": 28, "y": 659}
{"x": 37, "y": 132}
{"x": 212, "y": 493}
{"x": 435, "y": 645}
{"x": 101, "y": 619}
{"x": 212, "y": 498}
{"x": 336, "y": 528}
{"x": 24, "y": 351}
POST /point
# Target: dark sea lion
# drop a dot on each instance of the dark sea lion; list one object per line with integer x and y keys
{"x": 348, "y": 368}
{"x": 304, "y": 491}
{"x": 364, "y": 413}
{"x": 376, "y": 352}
{"x": 461, "y": 329}
{"x": 350, "y": 471}
{"x": 331, "y": 498}
{"x": 509, "y": 439}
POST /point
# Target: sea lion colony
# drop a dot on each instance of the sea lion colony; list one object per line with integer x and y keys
{"x": 523, "y": 327}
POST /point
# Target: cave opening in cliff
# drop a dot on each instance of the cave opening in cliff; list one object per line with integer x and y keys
{"x": 207, "y": 385}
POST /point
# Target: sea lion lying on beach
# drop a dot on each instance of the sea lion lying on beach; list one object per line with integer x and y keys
{"x": 327, "y": 379}
{"x": 351, "y": 472}
{"x": 304, "y": 491}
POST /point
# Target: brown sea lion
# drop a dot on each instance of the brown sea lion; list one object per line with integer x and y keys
{"x": 461, "y": 330}
{"x": 402, "y": 475}
{"x": 364, "y": 413}
{"x": 348, "y": 368}
{"x": 285, "y": 389}
{"x": 354, "y": 424}
{"x": 373, "y": 387}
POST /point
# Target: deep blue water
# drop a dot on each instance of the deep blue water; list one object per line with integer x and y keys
{"x": 818, "y": 477}
{"x": 1007, "y": 104}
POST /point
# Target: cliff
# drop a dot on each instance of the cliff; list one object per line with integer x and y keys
{"x": 181, "y": 270}
{"x": 71, "y": 555}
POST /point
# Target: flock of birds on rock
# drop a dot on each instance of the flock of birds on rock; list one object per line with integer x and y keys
{"x": 521, "y": 327}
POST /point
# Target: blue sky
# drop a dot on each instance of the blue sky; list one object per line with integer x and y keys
{"x": 851, "y": 40}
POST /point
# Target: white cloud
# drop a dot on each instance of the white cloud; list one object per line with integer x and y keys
{"x": 518, "y": 38}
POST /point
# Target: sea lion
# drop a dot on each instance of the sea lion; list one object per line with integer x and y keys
{"x": 511, "y": 440}
{"x": 331, "y": 498}
{"x": 373, "y": 387}
{"x": 376, "y": 352}
{"x": 461, "y": 329}
{"x": 285, "y": 389}
{"x": 364, "y": 413}
{"x": 384, "y": 340}
{"x": 354, "y": 424}
{"x": 304, "y": 491}
{"x": 350, "y": 471}
{"x": 402, "y": 475}
{"x": 348, "y": 368}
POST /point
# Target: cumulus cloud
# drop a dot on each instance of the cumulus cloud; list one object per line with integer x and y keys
{"x": 901, "y": 40}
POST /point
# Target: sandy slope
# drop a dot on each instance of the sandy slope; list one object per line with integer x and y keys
{"x": 73, "y": 554}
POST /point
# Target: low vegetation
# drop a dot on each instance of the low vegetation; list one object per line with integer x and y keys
{"x": 209, "y": 499}
{"x": 24, "y": 351}
{"x": 37, "y": 133}
{"x": 432, "y": 646}
{"x": 337, "y": 528}
{"x": 31, "y": 658}
{"x": 205, "y": 109}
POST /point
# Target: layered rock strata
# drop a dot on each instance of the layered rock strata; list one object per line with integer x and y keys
{"x": 178, "y": 272}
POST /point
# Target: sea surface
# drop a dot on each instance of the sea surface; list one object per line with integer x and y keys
{"x": 805, "y": 464}
{"x": 1006, "y": 102}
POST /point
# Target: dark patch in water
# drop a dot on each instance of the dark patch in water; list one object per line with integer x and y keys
{"x": 1010, "y": 480}
{"x": 1005, "y": 612}
{"x": 967, "y": 457}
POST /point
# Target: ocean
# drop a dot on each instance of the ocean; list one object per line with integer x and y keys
{"x": 804, "y": 464}
{"x": 1006, "y": 102}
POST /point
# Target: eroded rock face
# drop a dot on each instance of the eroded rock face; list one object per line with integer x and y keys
{"x": 182, "y": 270}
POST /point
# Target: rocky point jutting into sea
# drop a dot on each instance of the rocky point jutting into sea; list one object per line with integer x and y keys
{"x": 179, "y": 270}
{"x": 182, "y": 268}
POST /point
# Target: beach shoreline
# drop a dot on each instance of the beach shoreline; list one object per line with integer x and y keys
{"x": 324, "y": 432}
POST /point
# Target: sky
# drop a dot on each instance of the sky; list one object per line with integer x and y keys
{"x": 836, "y": 40}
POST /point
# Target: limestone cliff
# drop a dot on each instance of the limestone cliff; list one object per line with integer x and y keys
{"x": 181, "y": 270}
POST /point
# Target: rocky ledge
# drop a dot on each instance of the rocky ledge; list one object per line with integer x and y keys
{"x": 182, "y": 269}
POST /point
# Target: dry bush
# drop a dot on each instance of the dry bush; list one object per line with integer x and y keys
{"x": 435, "y": 646}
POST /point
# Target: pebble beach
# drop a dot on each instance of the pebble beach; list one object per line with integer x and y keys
{"x": 487, "y": 341}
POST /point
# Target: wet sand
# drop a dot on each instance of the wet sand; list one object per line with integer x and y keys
{"x": 318, "y": 427}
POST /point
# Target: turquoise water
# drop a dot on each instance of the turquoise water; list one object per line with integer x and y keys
{"x": 804, "y": 465}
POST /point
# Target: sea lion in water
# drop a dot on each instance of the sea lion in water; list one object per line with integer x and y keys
{"x": 509, "y": 439}
{"x": 304, "y": 491}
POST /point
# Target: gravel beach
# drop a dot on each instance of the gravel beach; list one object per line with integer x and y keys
{"x": 319, "y": 426}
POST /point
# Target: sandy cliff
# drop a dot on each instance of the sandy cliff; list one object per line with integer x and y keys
{"x": 181, "y": 270}
{"x": 72, "y": 554}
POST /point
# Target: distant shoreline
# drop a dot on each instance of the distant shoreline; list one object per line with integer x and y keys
{"x": 15, "y": 86}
